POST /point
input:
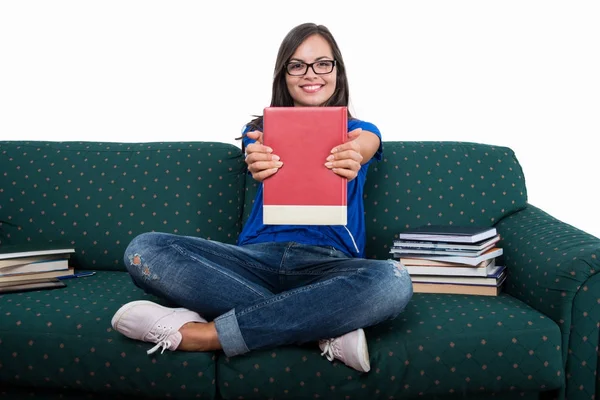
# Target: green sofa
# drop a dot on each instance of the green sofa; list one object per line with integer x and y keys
{"x": 538, "y": 339}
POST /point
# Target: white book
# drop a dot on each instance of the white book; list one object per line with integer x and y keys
{"x": 492, "y": 253}
{"x": 13, "y": 262}
{"x": 423, "y": 244}
{"x": 451, "y": 271}
{"x": 10, "y": 251}
{"x": 441, "y": 252}
{"x": 449, "y": 233}
{"x": 34, "y": 267}
{"x": 492, "y": 278}
{"x": 431, "y": 263}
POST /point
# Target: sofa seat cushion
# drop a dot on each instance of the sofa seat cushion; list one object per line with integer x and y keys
{"x": 441, "y": 344}
{"x": 62, "y": 338}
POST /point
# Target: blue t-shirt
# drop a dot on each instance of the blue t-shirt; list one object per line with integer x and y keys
{"x": 349, "y": 239}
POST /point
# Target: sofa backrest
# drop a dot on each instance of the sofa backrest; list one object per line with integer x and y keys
{"x": 96, "y": 197}
{"x": 437, "y": 183}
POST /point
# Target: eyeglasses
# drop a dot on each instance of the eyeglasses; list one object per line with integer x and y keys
{"x": 322, "y": 67}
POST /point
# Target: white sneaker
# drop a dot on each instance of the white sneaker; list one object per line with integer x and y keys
{"x": 151, "y": 322}
{"x": 351, "y": 349}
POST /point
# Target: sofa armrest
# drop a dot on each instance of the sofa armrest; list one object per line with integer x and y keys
{"x": 554, "y": 267}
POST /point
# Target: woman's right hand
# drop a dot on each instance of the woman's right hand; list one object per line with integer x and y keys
{"x": 261, "y": 161}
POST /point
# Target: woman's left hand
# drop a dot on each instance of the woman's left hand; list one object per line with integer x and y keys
{"x": 345, "y": 159}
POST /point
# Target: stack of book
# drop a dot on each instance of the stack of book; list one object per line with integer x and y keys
{"x": 452, "y": 259}
{"x": 24, "y": 269}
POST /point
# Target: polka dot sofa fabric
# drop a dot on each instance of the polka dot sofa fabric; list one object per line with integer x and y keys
{"x": 554, "y": 268}
{"x": 63, "y": 339}
{"x": 97, "y": 197}
{"x": 538, "y": 339}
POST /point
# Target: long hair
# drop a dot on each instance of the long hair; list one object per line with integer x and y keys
{"x": 280, "y": 96}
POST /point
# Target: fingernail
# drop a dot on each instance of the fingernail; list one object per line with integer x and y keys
{"x": 334, "y": 150}
{"x": 328, "y": 164}
{"x": 278, "y": 164}
{"x": 274, "y": 169}
{"x": 275, "y": 158}
{"x": 330, "y": 158}
{"x": 269, "y": 150}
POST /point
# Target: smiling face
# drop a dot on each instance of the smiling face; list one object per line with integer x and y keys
{"x": 312, "y": 89}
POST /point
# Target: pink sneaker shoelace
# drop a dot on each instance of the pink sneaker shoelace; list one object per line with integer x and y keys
{"x": 331, "y": 350}
{"x": 161, "y": 336}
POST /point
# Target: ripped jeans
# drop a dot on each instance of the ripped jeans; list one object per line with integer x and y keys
{"x": 268, "y": 294}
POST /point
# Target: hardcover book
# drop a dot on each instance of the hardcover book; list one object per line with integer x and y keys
{"x": 480, "y": 290}
{"x": 430, "y": 263}
{"x": 440, "y": 251}
{"x": 491, "y": 279}
{"x": 423, "y": 244}
{"x": 36, "y": 275}
{"x": 491, "y": 253}
{"x": 58, "y": 264}
{"x": 449, "y": 233}
{"x": 22, "y": 261}
{"x": 454, "y": 270}
{"x": 304, "y": 191}
{"x": 36, "y": 284}
{"x": 8, "y": 252}
{"x": 485, "y": 286}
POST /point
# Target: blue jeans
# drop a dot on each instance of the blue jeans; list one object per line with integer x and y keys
{"x": 268, "y": 294}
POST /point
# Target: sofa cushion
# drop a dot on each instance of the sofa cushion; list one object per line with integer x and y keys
{"x": 441, "y": 344}
{"x": 62, "y": 338}
{"x": 96, "y": 197}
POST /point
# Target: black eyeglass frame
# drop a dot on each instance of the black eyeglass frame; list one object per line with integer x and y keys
{"x": 311, "y": 65}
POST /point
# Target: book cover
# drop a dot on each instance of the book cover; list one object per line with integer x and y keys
{"x": 491, "y": 253}
{"x": 32, "y": 285}
{"x": 37, "y": 266}
{"x": 5, "y": 284}
{"x": 496, "y": 274}
{"x": 449, "y": 233}
{"x": 304, "y": 191}
{"x": 423, "y": 244}
{"x": 452, "y": 270}
{"x": 440, "y": 251}
{"x": 15, "y": 262}
{"x": 444, "y": 288}
{"x": 430, "y": 263}
{"x": 29, "y": 250}
{"x": 36, "y": 275}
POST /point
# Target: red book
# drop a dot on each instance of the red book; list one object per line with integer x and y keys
{"x": 304, "y": 191}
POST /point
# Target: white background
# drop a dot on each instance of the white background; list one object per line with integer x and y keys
{"x": 523, "y": 74}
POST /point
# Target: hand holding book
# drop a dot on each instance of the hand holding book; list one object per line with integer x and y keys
{"x": 261, "y": 161}
{"x": 345, "y": 159}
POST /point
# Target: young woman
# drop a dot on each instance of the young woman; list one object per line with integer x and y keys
{"x": 280, "y": 284}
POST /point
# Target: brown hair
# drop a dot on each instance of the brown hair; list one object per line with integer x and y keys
{"x": 280, "y": 96}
